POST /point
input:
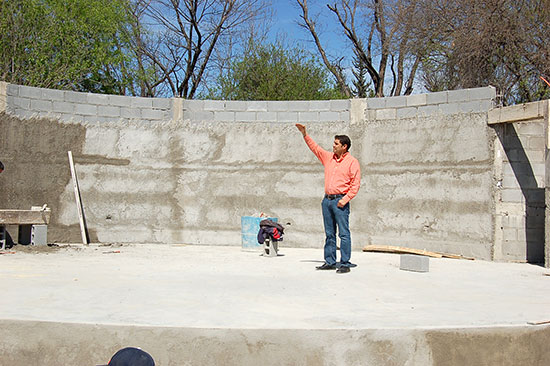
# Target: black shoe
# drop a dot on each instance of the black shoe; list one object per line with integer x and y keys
{"x": 326, "y": 266}
{"x": 343, "y": 270}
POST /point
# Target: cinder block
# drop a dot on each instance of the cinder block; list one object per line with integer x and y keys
{"x": 277, "y": 106}
{"x": 376, "y": 103}
{"x": 224, "y": 116}
{"x": 235, "y": 105}
{"x": 12, "y": 90}
{"x": 469, "y": 107}
{"x": 99, "y": 99}
{"x": 52, "y": 94}
{"x": 153, "y": 114}
{"x": 319, "y": 105}
{"x": 209, "y": 105}
{"x": 139, "y": 102}
{"x": 119, "y": 100}
{"x": 130, "y": 112}
{"x": 416, "y": 100}
{"x": 437, "y": 98}
{"x": 415, "y": 263}
{"x": 329, "y": 116}
{"x": 161, "y": 103}
{"x": 512, "y": 195}
{"x": 41, "y": 105}
{"x": 340, "y": 105}
{"x": 428, "y": 110}
{"x": 108, "y": 111}
{"x": 308, "y": 116}
{"x": 487, "y": 92}
{"x": 75, "y": 97}
{"x": 390, "y": 113}
{"x": 396, "y": 102}
{"x": 256, "y": 106}
{"x": 530, "y": 128}
{"x": 245, "y": 116}
{"x": 298, "y": 105}
{"x": 199, "y": 115}
{"x": 462, "y": 95}
{"x": 23, "y": 103}
{"x": 63, "y": 107}
{"x": 266, "y": 116}
{"x": 85, "y": 109}
{"x": 449, "y": 108}
{"x": 287, "y": 116}
{"x": 344, "y": 116}
{"x": 30, "y": 92}
{"x": 409, "y": 112}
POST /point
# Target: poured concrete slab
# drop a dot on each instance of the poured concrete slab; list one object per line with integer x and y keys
{"x": 202, "y": 305}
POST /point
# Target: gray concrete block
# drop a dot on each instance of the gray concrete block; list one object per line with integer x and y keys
{"x": 488, "y": 92}
{"x": 63, "y": 107}
{"x": 329, "y": 116}
{"x": 30, "y": 92}
{"x": 12, "y": 90}
{"x": 85, "y": 109}
{"x": 208, "y": 105}
{"x": 153, "y": 114}
{"x": 18, "y": 102}
{"x": 308, "y": 116}
{"x": 416, "y": 100}
{"x": 25, "y": 113}
{"x": 428, "y": 110}
{"x": 119, "y": 100}
{"x": 241, "y": 116}
{"x": 530, "y": 128}
{"x": 469, "y": 107}
{"x": 266, "y": 116}
{"x": 224, "y": 116}
{"x": 345, "y": 116}
{"x": 319, "y": 105}
{"x": 130, "y": 113}
{"x": 415, "y": 263}
{"x": 409, "y": 112}
{"x": 298, "y": 105}
{"x": 76, "y": 97}
{"x": 277, "y": 106}
{"x": 390, "y": 113}
{"x": 256, "y": 106}
{"x": 449, "y": 108}
{"x": 287, "y": 116}
{"x": 376, "y": 103}
{"x": 98, "y": 99}
{"x": 139, "y": 102}
{"x": 199, "y": 116}
{"x": 53, "y": 94}
{"x": 41, "y": 105}
{"x": 437, "y": 98}
{"x": 161, "y": 103}
{"x": 108, "y": 111}
{"x": 339, "y": 105}
{"x": 235, "y": 105}
{"x": 455, "y": 96}
{"x": 396, "y": 102}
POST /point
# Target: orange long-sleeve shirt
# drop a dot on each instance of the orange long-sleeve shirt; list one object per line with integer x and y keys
{"x": 342, "y": 176}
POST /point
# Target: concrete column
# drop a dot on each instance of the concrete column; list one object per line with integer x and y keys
{"x": 3, "y": 95}
{"x": 177, "y": 109}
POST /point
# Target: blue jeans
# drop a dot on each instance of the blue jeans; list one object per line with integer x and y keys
{"x": 334, "y": 216}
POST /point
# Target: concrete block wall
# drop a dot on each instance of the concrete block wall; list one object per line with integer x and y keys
{"x": 28, "y": 102}
{"x": 520, "y": 178}
{"x": 195, "y": 167}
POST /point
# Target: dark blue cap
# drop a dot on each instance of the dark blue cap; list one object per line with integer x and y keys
{"x": 131, "y": 356}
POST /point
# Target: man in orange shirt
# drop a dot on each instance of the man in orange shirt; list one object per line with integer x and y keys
{"x": 342, "y": 182}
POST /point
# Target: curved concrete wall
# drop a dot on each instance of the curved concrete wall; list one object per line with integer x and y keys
{"x": 171, "y": 170}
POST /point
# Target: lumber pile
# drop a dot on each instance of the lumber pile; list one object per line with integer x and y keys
{"x": 403, "y": 250}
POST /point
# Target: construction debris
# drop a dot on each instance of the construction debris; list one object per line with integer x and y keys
{"x": 403, "y": 250}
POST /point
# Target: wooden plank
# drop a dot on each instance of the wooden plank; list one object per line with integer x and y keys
{"x": 403, "y": 250}
{"x": 539, "y": 322}
{"x": 78, "y": 200}
{"x": 25, "y": 217}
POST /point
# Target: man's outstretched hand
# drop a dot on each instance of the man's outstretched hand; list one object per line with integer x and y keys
{"x": 301, "y": 128}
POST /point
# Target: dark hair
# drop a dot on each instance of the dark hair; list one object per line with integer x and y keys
{"x": 344, "y": 140}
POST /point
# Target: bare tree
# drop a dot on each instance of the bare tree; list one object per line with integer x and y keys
{"x": 190, "y": 31}
{"x": 384, "y": 24}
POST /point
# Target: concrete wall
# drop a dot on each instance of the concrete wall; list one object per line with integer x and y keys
{"x": 520, "y": 175}
{"x": 172, "y": 170}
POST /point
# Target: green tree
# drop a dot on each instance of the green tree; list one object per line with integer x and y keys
{"x": 65, "y": 44}
{"x": 274, "y": 73}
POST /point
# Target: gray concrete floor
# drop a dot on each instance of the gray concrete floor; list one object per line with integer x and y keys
{"x": 225, "y": 287}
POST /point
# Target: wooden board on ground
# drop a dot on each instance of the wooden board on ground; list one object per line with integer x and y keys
{"x": 403, "y": 250}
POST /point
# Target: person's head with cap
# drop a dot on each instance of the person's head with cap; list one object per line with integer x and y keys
{"x": 131, "y": 356}
{"x": 1, "y": 167}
